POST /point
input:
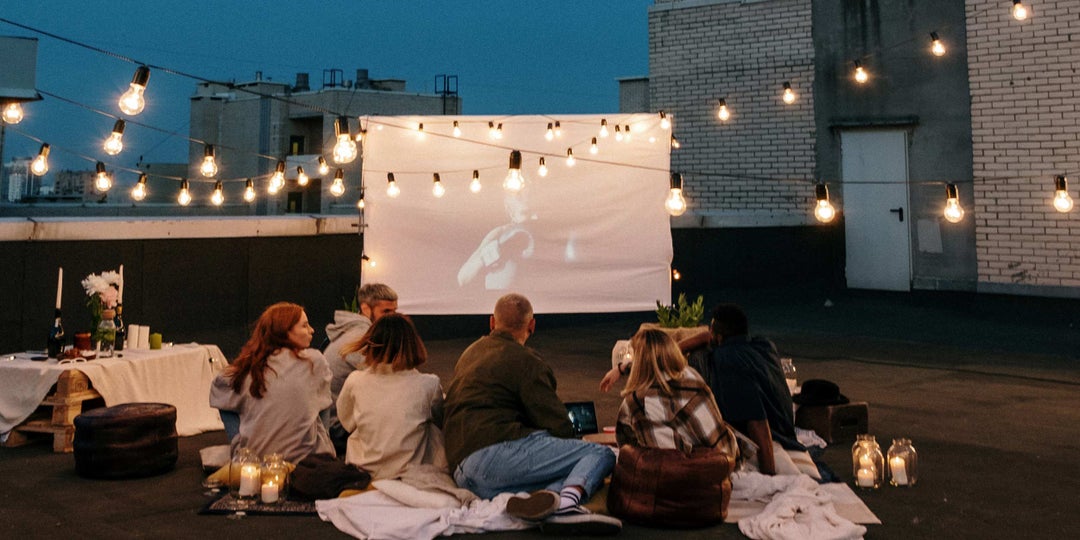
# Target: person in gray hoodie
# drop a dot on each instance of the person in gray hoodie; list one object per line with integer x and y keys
{"x": 374, "y": 300}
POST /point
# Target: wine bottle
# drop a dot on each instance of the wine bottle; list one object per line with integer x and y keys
{"x": 121, "y": 330}
{"x": 56, "y": 337}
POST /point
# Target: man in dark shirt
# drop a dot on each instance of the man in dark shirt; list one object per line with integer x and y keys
{"x": 506, "y": 430}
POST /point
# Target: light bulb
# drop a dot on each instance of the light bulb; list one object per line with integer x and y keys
{"x": 953, "y": 212}
{"x": 491, "y": 131}
{"x": 132, "y": 102}
{"x": 542, "y": 170}
{"x": 184, "y": 198}
{"x": 860, "y": 74}
{"x": 139, "y": 192}
{"x": 1019, "y": 12}
{"x": 675, "y": 275}
{"x": 345, "y": 149}
{"x": 626, "y": 130}
{"x": 217, "y": 198}
{"x": 937, "y": 48}
{"x": 723, "y": 114}
{"x": 570, "y": 157}
{"x": 603, "y": 127}
{"x": 457, "y": 129}
{"x": 618, "y": 134}
{"x": 1062, "y": 201}
{"x": 437, "y": 188}
{"x": 392, "y": 189}
{"x": 558, "y": 129}
{"x": 40, "y": 165}
{"x": 277, "y": 180}
{"x": 550, "y": 133}
{"x": 474, "y": 185}
{"x": 364, "y": 259}
{"x": 360, "y": 135}
{"x": 789, "y": 94}
{"x": 115, "y": 143}
{"x": 420, "y": 131}
{"x": 360, "y": 203}
{"x": 824, "y": 211}
{"x": 498, "y": 131}
{"x": 665, "y": 122}
{"x": 272, "y": 187}
{"x": 102, "y": 182}
{"x": 514, "y": 180}
{"x": 675, "y": 142}
{"x": 13, "y": 113}
{"x": 592, "y": 147}
{"x": 324, "y": 169}
{"x": 337, "y": 188}
{"x": 675, "y": 203}
{"x": 209, "y": 166}
{"x": 249, "y": 191}
{"x": 301, "y": 176}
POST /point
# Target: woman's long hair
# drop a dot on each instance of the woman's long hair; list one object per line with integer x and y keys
{"x": 270, "y": 335}
{"x": 393, "y": 341}
{"x": 657, "y": 359}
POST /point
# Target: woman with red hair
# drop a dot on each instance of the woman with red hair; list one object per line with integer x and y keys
{"x": 277, "y": 386}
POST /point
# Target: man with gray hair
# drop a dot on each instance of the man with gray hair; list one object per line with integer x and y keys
{"x": 507, "y": 431}
{"x": 374, "y": 301}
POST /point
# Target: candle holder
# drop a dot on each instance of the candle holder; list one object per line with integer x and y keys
{"x": 867, "y": 462}
{"x": 274, "y": 486}
{"x": 903, "y": 463}
{"x": 245, "y": 475}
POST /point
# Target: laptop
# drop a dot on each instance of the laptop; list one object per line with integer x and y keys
{"x": 582, "y": 416}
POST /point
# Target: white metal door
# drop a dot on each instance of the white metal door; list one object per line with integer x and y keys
{"x": 876, "y": 214}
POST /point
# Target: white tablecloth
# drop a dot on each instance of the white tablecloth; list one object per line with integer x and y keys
{"x": 179, "y": 375}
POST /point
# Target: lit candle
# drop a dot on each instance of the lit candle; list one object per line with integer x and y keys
{"x": 899, "y": 470}
{"x": 270, "y": 492}
{"x": 865, "y": 478}
{"x": 59, "y": 286}
{"x": 249, "y": 480}
{"x": 120, "y": 290}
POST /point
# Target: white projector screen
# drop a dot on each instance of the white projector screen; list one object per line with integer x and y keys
{"x": 592, "y": 237}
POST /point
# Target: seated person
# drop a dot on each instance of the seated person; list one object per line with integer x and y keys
{"x": 277, "y": 386}
{"x": 374, "y": 300}
{"x": 392, "y": 410}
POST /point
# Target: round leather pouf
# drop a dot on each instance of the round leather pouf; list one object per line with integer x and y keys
{"x": 126, "y": 441}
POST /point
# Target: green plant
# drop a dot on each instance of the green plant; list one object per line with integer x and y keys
{"x": 681, "y": 313}
{"x": 353, "y": 306}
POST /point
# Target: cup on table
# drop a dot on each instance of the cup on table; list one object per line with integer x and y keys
{"x": 155, "y": 341}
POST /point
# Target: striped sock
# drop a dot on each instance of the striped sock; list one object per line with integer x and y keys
{"x": 569, "y": 497}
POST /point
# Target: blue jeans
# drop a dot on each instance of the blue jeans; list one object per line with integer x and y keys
{"x": 538, "y": 461}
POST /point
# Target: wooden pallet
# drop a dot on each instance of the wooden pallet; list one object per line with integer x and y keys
{"x": 56, "y": 415}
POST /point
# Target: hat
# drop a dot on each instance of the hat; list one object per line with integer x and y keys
{"x": 819, "y": 392}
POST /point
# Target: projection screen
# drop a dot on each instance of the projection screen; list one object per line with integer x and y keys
{"x": 592, "y": 237}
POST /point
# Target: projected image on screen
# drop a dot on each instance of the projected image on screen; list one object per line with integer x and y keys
{"x": 588, "y": 237}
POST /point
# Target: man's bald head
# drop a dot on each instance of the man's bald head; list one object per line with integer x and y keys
{"x": 513, "y": 313}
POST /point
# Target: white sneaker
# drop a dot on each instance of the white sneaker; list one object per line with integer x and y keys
{"x": 576, "y": 520}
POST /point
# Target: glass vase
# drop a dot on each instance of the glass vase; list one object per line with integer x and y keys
{"x": 245, "y": 475}
{"x": 275, "y": 479}
{"x": 867, "y": 462}
{"x": 903, "y": 463}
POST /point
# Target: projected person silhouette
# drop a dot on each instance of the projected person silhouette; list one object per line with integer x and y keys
{"x": 503, "y": 250}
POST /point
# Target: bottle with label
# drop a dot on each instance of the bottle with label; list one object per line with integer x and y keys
{"x": 56, "y": 338}
{"x": 106, "y": 333}
{"x": 121, "y": 330}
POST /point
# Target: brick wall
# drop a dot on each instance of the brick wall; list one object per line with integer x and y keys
{"x": 756, "y": 169}
{"x": 1025, "y": 109}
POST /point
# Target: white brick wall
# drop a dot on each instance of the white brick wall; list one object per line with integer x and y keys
{"x": 1025, "y": 109}
{"x": 759, "y": 164}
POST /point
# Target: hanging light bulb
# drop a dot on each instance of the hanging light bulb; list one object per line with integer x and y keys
{"x": 675, "y": 275}
{"x": 861, "y": 76}
{"x": 115, "y": 142}
{"x": 249, "y": 191}
{"x": 618, "y": 133}
{"x": 823, "y": 211}
{"x": 626, "y": 130}
{"x": 184, "y": 198}
{"x": 345, "y": 149}
{"x": 474, "y": 185}
{"x": 1062, "y": 201}
{"x": 13, "y": 113}
{"x": 937, "y": 48}
{"x": 420, "y": 131}
{"x": 324, "y": 169}
{"x": 542, "y": 169}
{"x": 337, "y": 188}
{"x": 675, "y": 203}
{"x": 491, "y": 131}
{"x": 570, "y": 157}
{"x": 789, "y": 94}
{"x": 209, "y": 166}
{"x": 498, "y": 131}
{"x": 514, "y": 180}
{"x": 301, "y": 176}
{"x": 953, "y": 212}
{"x": 1019, "y": 11}
{"x": 277, "y": 180}
{"x": 139, "y": 192}
{"x": 360, "y": 135}
{"x": 392, "y": 189}
{"x": 550, "y": 133}
{"x": 675, "y": 142}
{"x": 603, "y": 127}
{"x": 437, "y": 189}
{"x": 592, "y": 147}
{"x": 102, "y": 182}
{"x": 558, "y": 129}
{"x": 665, "y": 122}
{"x": 360, "y": 203}
{"x": 364, "y": 259}
{"x": 723, "y": 114}
{"x": 40, "y": 165}
{"x": 457, "y": 129}
{"x": 132, "y": 102}
{"x": 218, "y": 197}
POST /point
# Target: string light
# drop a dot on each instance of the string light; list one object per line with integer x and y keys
{"x": 337, "y": 188}
{"x": 824, "y": 211}
{"x": 514, "y": 180}
{"x": 324, "y": 168}
{"x": 40, "y": 165}
{"x": 675, "y": 275}
{"x": 603, "y": 127}
{"x": 592, "y": 147}
{"x": 114, "y": 144}
{"x": 675, "y": 203}
{"x": 249, "y": 191}
{"x": 360, "y": 135}
{"x": 360, "y": 203}
{"x": 457, "y": 129}
{"x": 184, "y": 198}
{"x": 723, "y": 114}
{"x": 437, "y": 189}
{"x": 618, "y": 133}
{"x": 558, "y": 129}
{"x": 420, "y": 131}
{"x": 626, "y": 129}
{"x": 345, "y": 149}
{"x": 364, "y": 259}
{"x": 491, "y": 131}
{"x": 139, "y": 192}
{"x": 1062, "y": 201}
{"x": 392, "y": 189}
{"x": 550, "y": 133}
{"x": 789, "y": 94}
{"x": 542, "y": 170}
{"x": 498, "y": 131}
{"x": 665, "y": 122}
{"x": 277, "y": 180}
{"x": 953, "y": 212}
{"x": 937, "y": 48}
{"x": 301, "y": 176}
{"x": 1019, "y": 11}
{"x": 218, "y": 197}
{"x": 132, "y": 102}
{"x": 675, "y": 142}
{"x": 209, "y": 166}
{"x": 102, "y": 182}
{"x": 860, "y": 74}
{"x": 13, "y": 113}
{"x": 474, "y": 185}
{"x": 570, "y": 157}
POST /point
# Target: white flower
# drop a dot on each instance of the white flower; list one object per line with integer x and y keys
{"x": 101, "y": 284}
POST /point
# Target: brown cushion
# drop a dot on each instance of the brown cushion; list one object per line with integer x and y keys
{"x": 666, "y": 488}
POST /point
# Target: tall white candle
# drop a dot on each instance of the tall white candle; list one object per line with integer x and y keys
{"x": 865, "y": 478}
{"x": 120, "y": 287}
{"x": 249, "y": 480}
{"x": 59, "y": 286}
{"x": 270, "y": 492}
{"x": 899, "y": 471}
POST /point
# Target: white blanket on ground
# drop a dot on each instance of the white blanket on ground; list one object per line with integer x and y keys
{"x": 374, "y": 514}
{"x": 798, "y": 508}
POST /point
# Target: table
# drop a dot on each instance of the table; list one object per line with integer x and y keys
{"x": 179, "y": 376}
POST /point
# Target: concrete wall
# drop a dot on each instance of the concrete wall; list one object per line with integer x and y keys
{"x": 1025, "y": 129}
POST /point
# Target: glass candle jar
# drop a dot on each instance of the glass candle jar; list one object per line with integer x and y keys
{"x": 867, "y": 463}
{"x": 903, "y": 463}
{"x": 245, "y": 472}
{"x": 275, "y": 479}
